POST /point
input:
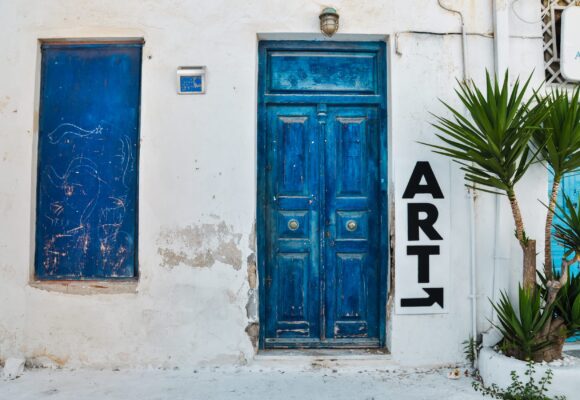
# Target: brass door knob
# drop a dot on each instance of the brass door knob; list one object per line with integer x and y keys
{"x": 293, "y": 224}
{"x": 351, "y": 226}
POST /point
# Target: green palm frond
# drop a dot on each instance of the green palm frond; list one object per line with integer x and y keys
{"x": 567, "y": 229}
{"x": 568, "y": 304}
{"x": 491, "y": 143}
{"x": 522, "y": 328}
{"x": 559, "y": 137}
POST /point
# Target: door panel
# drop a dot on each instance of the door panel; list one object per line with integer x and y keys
{"x": 352, "y": 217}
{"x": 292, "y": 276}
{"x": 293, "y": 71}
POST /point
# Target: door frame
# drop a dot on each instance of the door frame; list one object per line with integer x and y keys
{"x": 381, "y": 48}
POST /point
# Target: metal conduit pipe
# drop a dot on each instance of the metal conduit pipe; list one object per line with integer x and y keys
{"x": 470, "y": 192}
{"x": 463, "y": 38}
{"x": 500, "y": 60}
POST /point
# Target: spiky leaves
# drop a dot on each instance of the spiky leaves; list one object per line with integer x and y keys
{"x": 492, "y": 141}
{"x": 568, "y": 305}
{"x": 559, "y": 140}
{"x": 492, "y": 144}
{"x": 521, "y": 329}
{"x": 567, "y": 229}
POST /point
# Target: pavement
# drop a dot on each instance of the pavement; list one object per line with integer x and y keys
{"x": 317, "y": 381}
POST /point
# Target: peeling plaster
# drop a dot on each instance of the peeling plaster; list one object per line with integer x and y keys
{"x": 200, "y": 246}
{"x": 253, "y": 328}
{"x": 253, "y": 331}
{"x": 252, "y": 238}
{"x": 252, "y": 271}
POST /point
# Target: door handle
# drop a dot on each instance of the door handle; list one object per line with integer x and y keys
{"x": 351, "y": 226}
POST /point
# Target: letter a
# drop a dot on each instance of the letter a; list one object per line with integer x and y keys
{"x": 423, "y": 170}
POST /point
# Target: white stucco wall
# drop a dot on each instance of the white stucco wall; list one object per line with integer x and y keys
{"x": 198, "y": 172}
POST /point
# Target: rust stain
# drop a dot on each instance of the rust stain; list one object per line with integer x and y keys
{"x": 200, "y": 246}
{"x": 58, "y": 361}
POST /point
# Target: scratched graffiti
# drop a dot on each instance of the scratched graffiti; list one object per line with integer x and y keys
{"x": 87, "y": 206}
{"x": 87, "y": 169}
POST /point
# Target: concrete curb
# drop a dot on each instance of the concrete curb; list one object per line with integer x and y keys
{"x": 496, "y": 368}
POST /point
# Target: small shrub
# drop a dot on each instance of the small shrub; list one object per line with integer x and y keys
{"x": 470, "y": 349}
{"x": 522, "y": 324}
{"x": 519, "y": 390}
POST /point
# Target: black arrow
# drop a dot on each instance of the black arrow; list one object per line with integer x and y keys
{"x": 435, "y": 296}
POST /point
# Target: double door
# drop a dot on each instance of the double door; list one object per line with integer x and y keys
{"x": 322, "y": 202}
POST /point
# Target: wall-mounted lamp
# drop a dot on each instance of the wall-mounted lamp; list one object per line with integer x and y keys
{"x": 329, "y": 21}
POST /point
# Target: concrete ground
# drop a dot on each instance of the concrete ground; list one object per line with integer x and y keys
{"x": 317, "y": 381}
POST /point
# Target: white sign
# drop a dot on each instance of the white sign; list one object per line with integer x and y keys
{"x": 570, "y": 44}
{"x": 422, "y": 239}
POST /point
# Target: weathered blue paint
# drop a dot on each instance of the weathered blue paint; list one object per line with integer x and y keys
{"x": 190, "y": 84}
{"x": 86, "y": 213}
{"x": 322, "y": 201}
{"x": 569, "y": 186}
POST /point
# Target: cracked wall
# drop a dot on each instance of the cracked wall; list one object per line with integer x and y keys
{"x": 200, "y": 246}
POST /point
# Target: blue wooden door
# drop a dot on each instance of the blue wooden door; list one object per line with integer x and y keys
{"x": 322, "y": 198}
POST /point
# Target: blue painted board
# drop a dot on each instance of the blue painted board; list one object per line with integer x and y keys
{"x": 190, "y": 84}
{"x": 322, "y": 231}
{"x": 86, "y": 212}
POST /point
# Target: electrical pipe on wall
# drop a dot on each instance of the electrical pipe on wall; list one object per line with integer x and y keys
{"x": 500, "y": 60}
{"x": 470, "y": 192}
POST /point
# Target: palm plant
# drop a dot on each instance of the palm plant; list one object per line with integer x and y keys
{"x": 522, "y": 329}
{"x": 559, "y": 141}
{"x": 492, "y": 145}
{"x": 499, "y": 137}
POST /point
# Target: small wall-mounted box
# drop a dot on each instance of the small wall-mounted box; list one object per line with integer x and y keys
{"x": 190, "y": 80}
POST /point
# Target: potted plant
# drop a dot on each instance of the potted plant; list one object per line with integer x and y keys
{"x": 502, "y": 134}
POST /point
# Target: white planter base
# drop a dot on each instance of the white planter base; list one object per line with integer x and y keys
{"x": 496, "y": 368}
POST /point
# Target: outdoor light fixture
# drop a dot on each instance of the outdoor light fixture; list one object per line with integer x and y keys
{"x": 329, "y": 21}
